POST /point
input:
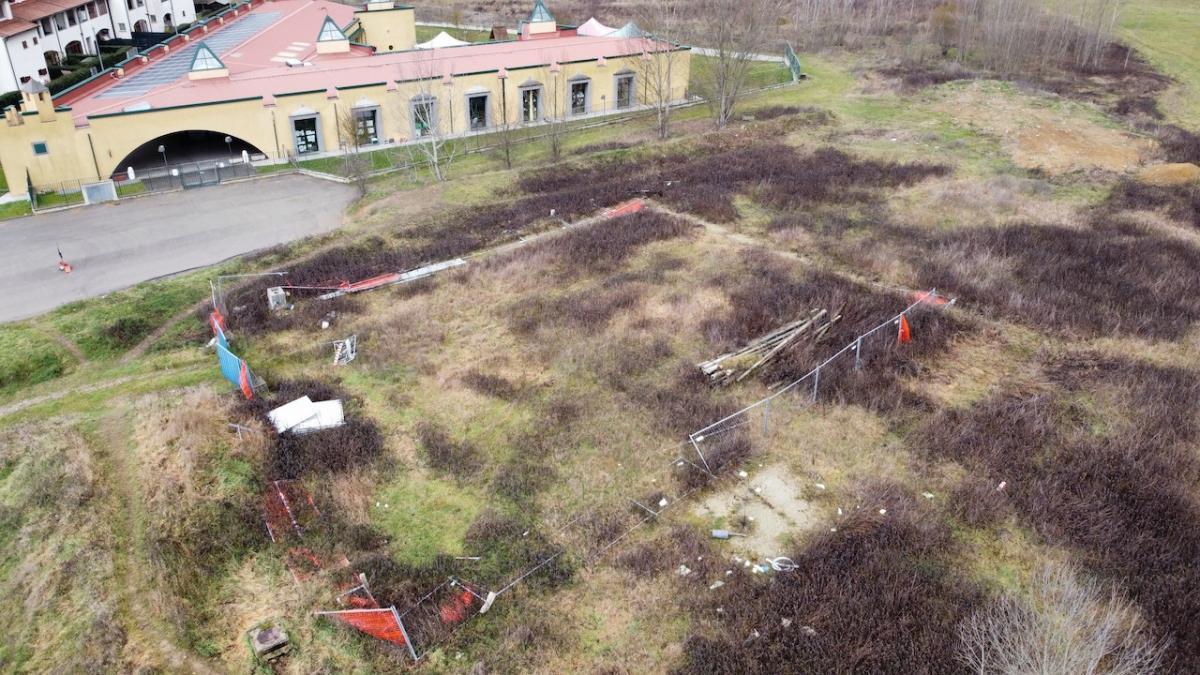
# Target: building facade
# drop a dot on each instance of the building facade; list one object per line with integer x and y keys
{"x": 36, "y": 35}
{"x": 300, "y": 87}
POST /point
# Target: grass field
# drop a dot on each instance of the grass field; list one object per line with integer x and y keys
{"x": 526, "y": 419}
{"x": 1165, "y": 30}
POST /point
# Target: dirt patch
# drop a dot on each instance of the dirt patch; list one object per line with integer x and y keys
{"x": 1170, "y": 174}
{"x": 766, "y": 507}
{"x": 1044, "y": 137}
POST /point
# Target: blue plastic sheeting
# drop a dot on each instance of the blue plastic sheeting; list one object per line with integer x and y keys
{"x": 221, "y": 339}
{"x": 231, "y": 365}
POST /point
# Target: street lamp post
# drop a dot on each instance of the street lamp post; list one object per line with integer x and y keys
{"x": 163, "y": 149}
{"x": 229, "y": 147}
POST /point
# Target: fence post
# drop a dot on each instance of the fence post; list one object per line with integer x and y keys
{"x": 767, "y": 420}
{"x": 858, "y": 353}
{"x": 816, "y": 383}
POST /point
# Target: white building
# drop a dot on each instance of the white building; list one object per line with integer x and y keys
{"x": 35, "y": 34}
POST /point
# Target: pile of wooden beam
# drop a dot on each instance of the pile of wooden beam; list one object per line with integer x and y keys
{"x": 738, "y": 365}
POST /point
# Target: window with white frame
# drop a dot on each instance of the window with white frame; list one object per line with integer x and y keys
{"x": 424, "y": 115}
{"x": 531, "y": 103}
{"x": 366, "y": 125}
{"x": 581, "y": 95}
{"x": 624, "y": 94}
{"x": 477, "y": 111}
{"x": 306, "y": 131}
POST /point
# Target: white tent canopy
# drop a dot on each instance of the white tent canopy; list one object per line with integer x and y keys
{"x": 440, "y": 40}
{"x": 594, "y": 28}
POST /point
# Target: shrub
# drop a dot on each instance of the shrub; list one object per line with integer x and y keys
{"x": 880, "y": 595}
{"x": 458, "y": 458}
{"x": 1111, "y": 278}
{"x": 1181, "y": 202}
{"x": 491, "y": 385}
{"x": 765, "y": 294}
{"x": 127, "y": 331}
{"x": 583, "y": 309}
{"x": 1123, "y": 495}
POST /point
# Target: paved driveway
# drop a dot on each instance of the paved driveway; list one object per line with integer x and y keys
{"x": 116, "y": 246}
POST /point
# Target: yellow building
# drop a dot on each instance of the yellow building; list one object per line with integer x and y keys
{"x": 284, "y": 79}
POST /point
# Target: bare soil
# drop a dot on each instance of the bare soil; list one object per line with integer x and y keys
{"x": 771, "y": 498}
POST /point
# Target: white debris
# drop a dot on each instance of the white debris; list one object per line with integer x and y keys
{"x": 839, "y": 510}
{"x": 820, "y": 486}
{"x": 757, "y": 490}
{"x": 663, "y": 502}
{"x": 1001, "y": 485}
{"x": 728, "y": 573}
{"x": 833, "y": 529}
{"x": 715, "y": 585}
{"x": 742, "y": 474}
{"x": 883, "y": 512}
{"x": 927, "y": 495}
{"x": 809, "y": 630}
{"x": 324, "y": 325}
{"x": 303, "y": 415}
{"x": 785, "y": 622}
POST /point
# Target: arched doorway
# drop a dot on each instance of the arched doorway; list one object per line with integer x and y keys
{"x": 74, "y": 48}
{"x": 168, "y": 22}
{"x": 52, "y": 57}
{"x": 186, "y": 150}
{"x": 140, "y": 26}
{"x": 103, "y": 36}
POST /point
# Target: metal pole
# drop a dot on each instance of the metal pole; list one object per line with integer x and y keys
{"x": 767, "y": 419}
{"x": 816, "y": 382}
{"x": 858, "y": 353}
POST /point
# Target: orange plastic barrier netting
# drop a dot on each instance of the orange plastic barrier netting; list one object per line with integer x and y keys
{"x": 625, "y": 208}
{"x": 384, "y": 624}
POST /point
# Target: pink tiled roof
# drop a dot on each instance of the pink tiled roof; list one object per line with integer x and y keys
{"x": 256, "y": 70}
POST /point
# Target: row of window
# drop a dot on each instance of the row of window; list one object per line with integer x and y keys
{"x": 74, "y": 16}
{"x": 424, "y": 112}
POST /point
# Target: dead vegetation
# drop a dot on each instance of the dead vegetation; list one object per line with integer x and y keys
{"x": 879, "y": 595}
{"x": 1118, "y": 489}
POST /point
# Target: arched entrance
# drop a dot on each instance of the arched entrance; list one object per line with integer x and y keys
{"x": 74, "y": 48}
{"x": 186, "y": 152}
{"x": 140, "y": 26}
{"x": 52, "y": 57}
{"x": 168, "y": 22}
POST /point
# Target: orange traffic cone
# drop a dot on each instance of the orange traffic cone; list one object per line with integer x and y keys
{"x": 64, "y": 266}
{"x": 905, "y": 334}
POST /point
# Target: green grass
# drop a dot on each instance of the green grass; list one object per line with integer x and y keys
{"x": 28, "y": 357}
{"x": 130, "y": 189}
{"x": 425, "y": 517}
{"x": 1168, "y": 33}
{"x": 50, "y": 200}
{"x": 108, "y": 326}
{"x": 15, "y": 209}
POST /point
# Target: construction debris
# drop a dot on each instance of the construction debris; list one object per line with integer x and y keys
{"x": 344, "y": 351}
{"x": 268, "y": 643}
{"x": 303, "y": 416}
{"x": 732, "y": 367}
{"x": 277, "y": 299}
{"x": 393, "y": 278}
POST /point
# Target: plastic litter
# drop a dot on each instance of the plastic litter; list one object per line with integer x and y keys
{"x": 715, "y": 585}
{"x": 725, "y": 534}
{"x": 683, "y": 570}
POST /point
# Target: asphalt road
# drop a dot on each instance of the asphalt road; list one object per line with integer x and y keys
{"x": 118, "y": 245}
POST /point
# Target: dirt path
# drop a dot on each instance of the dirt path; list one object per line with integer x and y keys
{"x": 139, "y": 604}
{"x": 63, "y": 342}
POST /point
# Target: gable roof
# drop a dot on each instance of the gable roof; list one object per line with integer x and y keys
{"x": 594, "y": 28}
{"x": 539, "y": 13}
{"x": 330, "y": 31}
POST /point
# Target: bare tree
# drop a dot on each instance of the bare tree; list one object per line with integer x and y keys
{"x": 734, "y": 31}
{"x": 504, "y": 128}
{"x": 352, "y": 137}
{"x": 1069, "y": 625}
{"x": 554, "y": 109}
{"x": 431, "y": 144}
{"x": 659, "y": 67}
